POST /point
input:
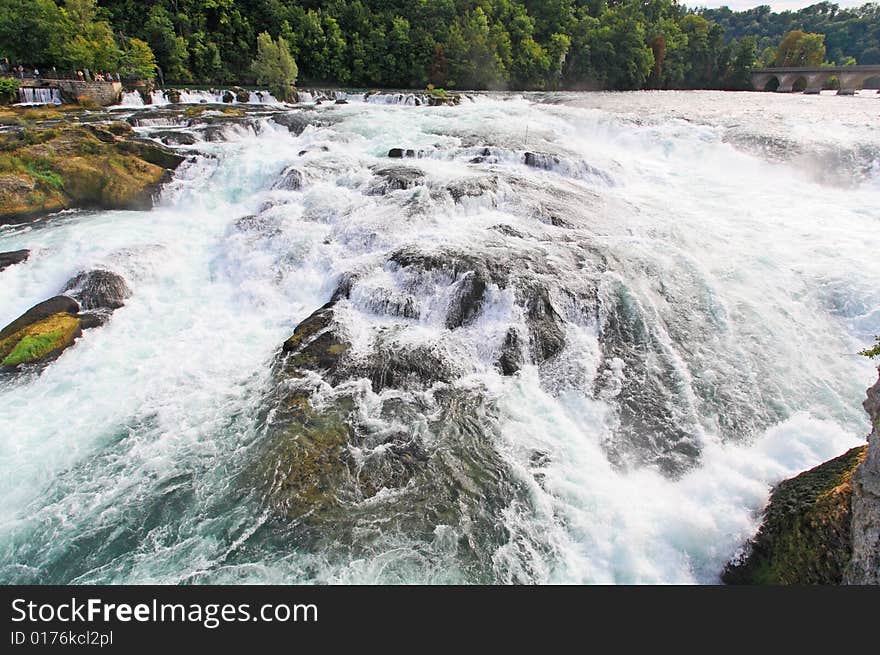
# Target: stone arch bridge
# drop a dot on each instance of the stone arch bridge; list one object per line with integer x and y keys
{"x": 851, "y": 78}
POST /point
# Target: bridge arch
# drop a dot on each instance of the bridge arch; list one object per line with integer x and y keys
{"x": 812, "y": 79}
{"x": 872, "y": 83}
{"x": 771, "y": 83}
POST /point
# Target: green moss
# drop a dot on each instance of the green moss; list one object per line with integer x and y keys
{"x": 805, "y": 537}
{"x": 39, "y": 340}
{"x": 194, "y": 111}
{"x": 32, "y": 348}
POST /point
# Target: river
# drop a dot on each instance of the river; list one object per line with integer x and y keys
{"x": 687, "y": 277}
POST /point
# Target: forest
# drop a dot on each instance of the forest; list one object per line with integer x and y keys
{"x": 465, "y": 44}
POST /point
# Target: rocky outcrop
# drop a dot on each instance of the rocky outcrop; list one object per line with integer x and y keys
{"x": 12, "y": 258}
{"x": 98, "y": 290}
{"x": 806, "y": 535}
{"x": 864, "y": 567}
{"x": 41, "y": 333}
{"x": 79, "y": 166}
{"x": 291, "y": 180}
{"x": 822, "y": 526}
{"x": 396, "y": 178}
{"x": 47, "y": 329}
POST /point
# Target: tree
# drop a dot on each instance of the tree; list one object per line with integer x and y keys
{"x": 31, "y": 31}
{"x": 800, "y": 48}
{"x": 138, "y": 61}
{"x": 170, "y": 49}
{"x": 275, "y": 66}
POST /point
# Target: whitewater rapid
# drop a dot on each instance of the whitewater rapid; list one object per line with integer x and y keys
{"x": 746, "y": 275}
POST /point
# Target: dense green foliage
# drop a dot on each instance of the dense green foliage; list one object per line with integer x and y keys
{"x": 71, "y": 35}
{"x": 8, "y": 90}
{"x": 521, "y": 44}
{"x": 873, "y": 351}
{"x": 274, "y": 66}
{"x": 850, "y": 34}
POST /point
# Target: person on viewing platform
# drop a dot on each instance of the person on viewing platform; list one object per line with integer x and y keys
{"x": 80, "y": 76}
{"x": 36, "y": 74}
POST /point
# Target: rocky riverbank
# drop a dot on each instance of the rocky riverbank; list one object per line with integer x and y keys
{"x": 70, "y": 159}
{"x": 822, "y": 526}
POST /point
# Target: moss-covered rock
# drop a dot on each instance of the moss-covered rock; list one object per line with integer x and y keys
{"x": 40, "y": 334}
{"x": 78, "y": 166}
{"x": 806, "y": 535}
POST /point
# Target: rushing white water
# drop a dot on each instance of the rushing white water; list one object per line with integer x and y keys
{"x": 712, "y": 256}
{"x": 133, "y": 99}
{"x": 28, "y": 95}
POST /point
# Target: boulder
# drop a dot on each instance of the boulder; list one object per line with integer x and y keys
{"x": 291, "y": 180}
{"x": 153, "y": 153}
{"x": 511, "y": 359}
{"x": 316, "y": 344}
{"x": 41, "y": 333}
{"x": 297, "y": 121}
{"x": 399, "y": 153}
{"x": 174, "y": 138}
{"x": 806, "y": 535}
{"x": 396, "y": 178}
{"x": 12, "y": 258}
{"x": 98, "y": 290}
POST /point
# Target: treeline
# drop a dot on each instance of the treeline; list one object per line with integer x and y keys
{"x": 478, "y": 44}
{"x": 73, "y": 35}
{"x": 851, "y": 35}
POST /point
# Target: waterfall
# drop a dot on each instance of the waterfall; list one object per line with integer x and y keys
{"x": 132, "y": 99}
{"x": 574, "y": 338}
{"x": 29, "y": 95}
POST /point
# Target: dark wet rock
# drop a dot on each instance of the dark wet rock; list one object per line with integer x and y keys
{"x": 540, "y": 160}
{"x": 297, "y": 121}
{"x": 43, "y": 310}
{"x": 468, "y": 300}
{"x": 546, "y": 333}
{"x": 98, "y": 290}
{"x": 174, "y": 138}
{"x": 511, "y": 358}
{"x": 508, "y": 231}
{"x": 400, "y": 153}
{"x": 806, "y": 533}
{"x": 242, "y": 95}
{"x": 396, "y": 178}
{"x": 484, "y": 157}
{"x": 256, "y": 224}
{"x": 470, "y": 274}
{"x": 341, "y": 101}
{"x": 343, "y": 289}
{"x": 397, "y": 366}
{"x": 118, "y": 128}
{"x": 12, "y": 258}
{"x": 316, "y": 344}
{"x": 101, "y": 132}
{"x": 40, "y": 334}
{"x": 153, "y": 153}
{"x": 471, "y": 187}
{"x": 864, "y": 567}
{"x": 654, "y": 428}
{"x": 228, "y": 97}
{"x": 291, "y": 180}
